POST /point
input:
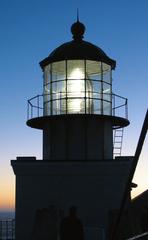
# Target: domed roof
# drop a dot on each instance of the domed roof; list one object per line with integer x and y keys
{"x": 78, "y": 49}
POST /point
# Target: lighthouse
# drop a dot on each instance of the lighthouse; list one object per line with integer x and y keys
{"x": 79, "y": 114}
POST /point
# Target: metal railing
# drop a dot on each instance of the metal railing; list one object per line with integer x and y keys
{"x": 143, "y": 236}
{"x": 7, "y": 229}
{"x": 119, "y": 105}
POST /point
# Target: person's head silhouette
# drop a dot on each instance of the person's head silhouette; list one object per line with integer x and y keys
{"x": 73, "y": 211}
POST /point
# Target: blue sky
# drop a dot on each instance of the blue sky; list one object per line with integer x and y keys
{"x": 30, "y": 30}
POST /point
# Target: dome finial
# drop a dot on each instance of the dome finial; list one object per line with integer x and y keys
{"x": 77, "y": 29}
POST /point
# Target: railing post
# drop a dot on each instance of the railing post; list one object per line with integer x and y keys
{"x": 113, "y": 98}
{"x": 126, "y": 108}
{"x": 38, "y": 105}
{"x": 27, "y": 109}
{"x": 31, "y": 111}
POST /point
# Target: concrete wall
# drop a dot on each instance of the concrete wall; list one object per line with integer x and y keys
{"x": 95, "y": 187}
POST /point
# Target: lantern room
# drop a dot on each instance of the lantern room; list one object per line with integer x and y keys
{"x": 77, "y": 78}
{"x": 77, "y": 87}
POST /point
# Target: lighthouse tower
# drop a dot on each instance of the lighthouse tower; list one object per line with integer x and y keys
{"x": 77, "y": 113}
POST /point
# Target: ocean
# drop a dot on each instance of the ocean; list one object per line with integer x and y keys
{"x": 7, "y": 215}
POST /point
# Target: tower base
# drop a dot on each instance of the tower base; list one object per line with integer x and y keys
{"x": 95, "y": 188}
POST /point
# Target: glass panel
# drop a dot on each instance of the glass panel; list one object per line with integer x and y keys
{"x": 75, "y": 94}
{"x": 96, "y": 106}
{"x": 62, "y": 104}
{"x": 75, "y": 69}
{"x": 89, "y": 105}
{"x": 105, "y": 67}
{"x": 59, "y": 107}
{"x": 93, "y": 70}
{"x": 106, "y": 108}
{"x": 54, "y": 107}
{"x": 58, "y": 90}
{"x": 47, "y": 74}
{"x": 96, "y": 89}
{"x": 47, "y": 88}
{"x": 76, "y": 105}
{"x": 75, "y": 88}
{"x": 58, "y": 71}
{"x": 106, "y": 73}
{"x": 59, "y": 94}
{"x": 106, "y": 91}
{"x": 46, "y": 106}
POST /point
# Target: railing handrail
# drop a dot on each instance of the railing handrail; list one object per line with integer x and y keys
{"x": 139, "y": 236}
{"x": 115, "y": 106}
{"x": 7, "y": 228}
{"x": 113, "y": 94}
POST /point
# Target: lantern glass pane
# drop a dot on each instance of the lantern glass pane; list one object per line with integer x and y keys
{"x": 58, "y": 106}
{"x": 75, "y": 95}
{"x": 75, "y": 86}
{"x": 106, "y": 73}
{"x": 47, "y": 74}
{"x": 75, "y": 69}
{"x": 58, "y": 90}
{"x": 97, "y": 106}
{"x": 58, "y": 71}
{"x": 93, "y": 70}
{"x": 106, "y": 91}
{"x": 46, "y": 90}
{"x": 106, "y": 108}
{"x": 47, "y": 106}
{"x": 96, "y": 89}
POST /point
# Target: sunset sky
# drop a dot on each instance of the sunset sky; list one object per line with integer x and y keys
{"x": 30, "y": 30}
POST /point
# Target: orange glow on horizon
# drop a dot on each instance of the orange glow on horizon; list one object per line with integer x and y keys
{"x": 7, "y": 202}
{"x": 7, "y": 193}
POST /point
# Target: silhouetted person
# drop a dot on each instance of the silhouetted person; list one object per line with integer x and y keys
{"x": 71, "y": 227}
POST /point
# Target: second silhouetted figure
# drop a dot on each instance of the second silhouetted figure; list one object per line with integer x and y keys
{"x": 71, "y": 227}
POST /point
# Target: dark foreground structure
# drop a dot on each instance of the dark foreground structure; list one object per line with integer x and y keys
{"x": 7, "y": 229}
{"x": 82, "y": 121}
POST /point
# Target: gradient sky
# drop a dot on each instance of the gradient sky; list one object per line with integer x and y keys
{"x": 29, "y": 31}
